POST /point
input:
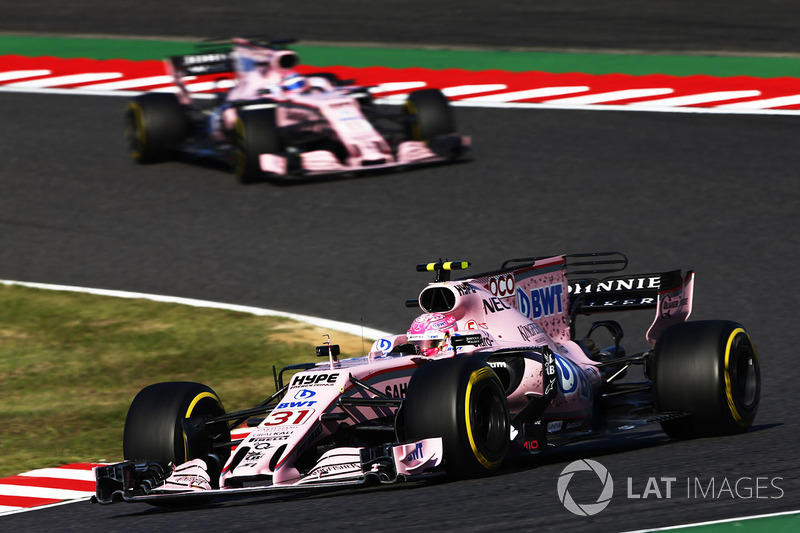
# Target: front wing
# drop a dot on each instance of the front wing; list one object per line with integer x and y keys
{"x": 443, "y": 149}
{"x": 159, "y": 483}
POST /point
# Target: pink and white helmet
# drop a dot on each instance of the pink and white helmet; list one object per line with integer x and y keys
{"x": 429, "y": 332}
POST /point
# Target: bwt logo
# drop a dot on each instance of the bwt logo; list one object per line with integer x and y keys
{"x": 302, "y": 394}
{"x": 416, "y": 455}
{"x": 542, "y": 302}
{"x": 586, "y": 509}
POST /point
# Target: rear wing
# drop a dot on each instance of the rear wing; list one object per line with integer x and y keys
{"x": 200, "y": 64}
{"x": 544, "y": 287}
{"x": 215, "y": 56}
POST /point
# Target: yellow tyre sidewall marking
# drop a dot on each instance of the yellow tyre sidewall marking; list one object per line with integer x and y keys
{"x": 192, "y": 405}
{"x": 728, "y": 387}
{"x": 474, "y": 378}
{"x": 416, "y": 132}
{"x": 139, "y": 128}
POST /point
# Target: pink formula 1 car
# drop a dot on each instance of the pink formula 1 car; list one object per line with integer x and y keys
{"x": 492, "y": 368}
{"x": 274, "y": 122}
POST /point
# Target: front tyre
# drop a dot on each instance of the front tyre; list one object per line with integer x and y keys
{"x": 462, "y": 401}
{"x": 165, "y": 423}
{"x": 154, "y": 124}
{"x": 428, "y": 115}
{"x": 256, "y": 133}
{"x": 708, "y": 369}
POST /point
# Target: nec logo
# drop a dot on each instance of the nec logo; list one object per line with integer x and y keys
{"x": 541, "y": 302}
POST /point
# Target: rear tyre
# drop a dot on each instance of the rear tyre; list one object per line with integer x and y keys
{"x": 428, "y": 114}
{"x": 256, "y": 133}
{"x": 709, "y": 369}
{"x": 165, "y": 423}
{"x": 462, "y": 401}
{"x": 154, "y": 124}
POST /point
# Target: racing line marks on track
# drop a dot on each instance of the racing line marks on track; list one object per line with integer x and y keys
{"x": 463, "y": 90}
{"x": 46, "y": 487}
{"x": 72, "y": 79}
{"x": 136, "y": 83}
{"x": 613, "y": 96}
{"x": 527, "y": 94}
{"x": 703, "y": 98}
{"x": 491, "y": 88}
{"x": 19, "y": 74}
{"x": 765, "y": 104}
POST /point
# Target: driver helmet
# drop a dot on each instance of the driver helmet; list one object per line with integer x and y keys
{"x": 430, "y": 333}
{"x": 294, "y": 82}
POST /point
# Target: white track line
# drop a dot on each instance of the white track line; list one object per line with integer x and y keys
{"x": 73, "y": 474}
{"x": 7, "y": 510}
{"x": 764, "y": 104}
{"x": 19, "y": 74}
{"x": 352, "y": 329}
{"x": 130, "y": 84}
{"x": 41, "y": 492}
{"x": 713, "y": 522}
{"x": 461, "y": 90}
{"x": 542, "y": 92}
{"x": 611, "y": 96}
{"x": 67, "y": 80}
{"x": 758, "y": 107}
{"x": 397, "y": 86}
{"x": 694, "y": 99}
{"x": 628, "y": 107}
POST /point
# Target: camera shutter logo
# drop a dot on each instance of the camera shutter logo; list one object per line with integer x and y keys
{"x": 588, "y": 509}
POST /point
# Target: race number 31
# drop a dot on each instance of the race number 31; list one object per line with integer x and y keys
{"x": 288, "y": 418}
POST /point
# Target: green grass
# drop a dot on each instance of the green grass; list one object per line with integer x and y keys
{"x": 400, "y": 57}
{"x": 71, "y": 363}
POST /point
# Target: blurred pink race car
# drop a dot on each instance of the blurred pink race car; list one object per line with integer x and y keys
{"x": 491, "y": 368}
{"x": 274, "y": 122}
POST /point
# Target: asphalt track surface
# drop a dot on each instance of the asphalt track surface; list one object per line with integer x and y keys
{"x": 716, "y": 193}
{"x": 766, "y": 26}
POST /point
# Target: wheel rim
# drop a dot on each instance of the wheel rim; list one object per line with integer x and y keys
{"x": 747, "y": 377}
{"x": 489, "y": 420}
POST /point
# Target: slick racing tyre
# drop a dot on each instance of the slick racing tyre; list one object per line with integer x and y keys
{"x": 256, "y": 133}
{"x": 462, "y": 401}
{"x": 428, "y": 114}
{"x": 154, "y": 123}
{"x": 710, "y": 370}
{"x": 165, "y": 423}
